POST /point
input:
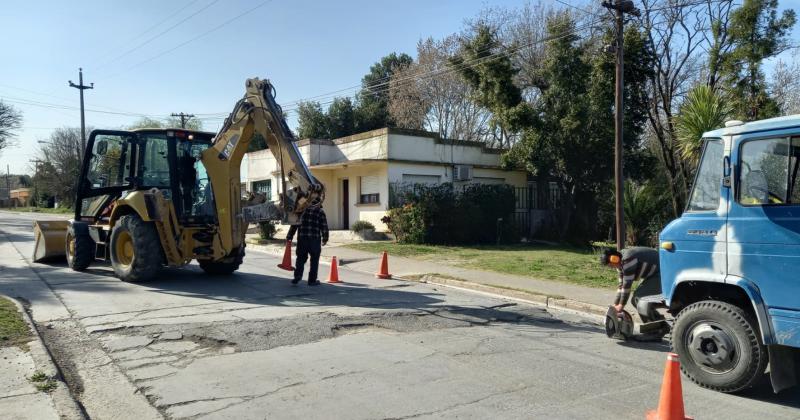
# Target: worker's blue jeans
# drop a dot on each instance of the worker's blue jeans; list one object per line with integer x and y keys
{"x": 306, "y": 248}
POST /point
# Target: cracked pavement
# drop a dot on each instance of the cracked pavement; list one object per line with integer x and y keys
{"x": 188, "y": 345}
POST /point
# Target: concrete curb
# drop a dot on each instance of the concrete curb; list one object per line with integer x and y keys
{"x": 570, "y": 305}
{"x": 65, "y": 404}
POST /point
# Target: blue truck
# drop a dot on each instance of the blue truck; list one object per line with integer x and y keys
{"x": 730, "y": 265}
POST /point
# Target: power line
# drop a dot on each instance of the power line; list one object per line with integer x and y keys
{"x": 164, "y": 32}
{"x": 214, "y": 29}
{"x": 182, "y": 8}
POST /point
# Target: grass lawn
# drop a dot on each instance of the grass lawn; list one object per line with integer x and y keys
{"x": 60, "y": 210}
{"x": 13, "y": 329}
{"x": 546, "y": 262}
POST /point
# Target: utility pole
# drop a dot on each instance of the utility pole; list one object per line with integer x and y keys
{"x": 183, "y": 117}
{"x": 81, "y": 87}
{"x": 620, "y": 7}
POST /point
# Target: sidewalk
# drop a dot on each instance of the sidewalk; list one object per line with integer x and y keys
{"x": 30, "y": 386}
{"x": 551, "y": 293}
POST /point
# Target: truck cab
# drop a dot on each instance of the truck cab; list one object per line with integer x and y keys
{"x": 730, "y": 264}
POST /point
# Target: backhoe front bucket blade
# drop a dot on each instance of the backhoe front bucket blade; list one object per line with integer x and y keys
{"x": 50, "y": 239}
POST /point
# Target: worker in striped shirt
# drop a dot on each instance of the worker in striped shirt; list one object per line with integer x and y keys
{"x": 634, "y": 264}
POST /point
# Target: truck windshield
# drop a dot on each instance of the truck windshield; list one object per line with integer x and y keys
{"x": 706, "y": 189}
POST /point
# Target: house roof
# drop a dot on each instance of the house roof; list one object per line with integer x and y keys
{"x": 400, "y": 131}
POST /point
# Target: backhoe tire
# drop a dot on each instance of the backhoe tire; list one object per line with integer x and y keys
{"x": 136, "y": 253}
{"x": 220, "y": 268}
{"x": 80, "y": 248}
{"x": 719, "y": 346}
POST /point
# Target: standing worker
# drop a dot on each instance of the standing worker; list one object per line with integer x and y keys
{"x": 312, "y": 237}
{"x": 634, "y": 264}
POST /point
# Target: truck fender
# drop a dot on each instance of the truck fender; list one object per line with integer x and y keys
{"x": 749, "y": 289}
{"x": 760, "y": 309}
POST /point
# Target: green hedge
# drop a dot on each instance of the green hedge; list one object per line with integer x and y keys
{"x": 444, "y": 214}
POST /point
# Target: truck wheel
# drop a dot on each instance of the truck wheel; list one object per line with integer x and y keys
{"x": 135, "y": 249}
{"x": 220, "y": 268}
{"x": 719, "y": 346}
{"x": 79, "y": 249}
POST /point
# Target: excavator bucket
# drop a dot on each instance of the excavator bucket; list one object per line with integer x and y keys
{"x": 50, "y": 239}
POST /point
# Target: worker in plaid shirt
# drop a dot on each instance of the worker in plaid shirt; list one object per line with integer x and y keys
{"x": 313, "y": 235}
{"x": 637, "y": 263}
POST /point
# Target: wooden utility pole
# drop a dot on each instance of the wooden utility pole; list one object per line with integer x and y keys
{"x": 183, "y": 117}
{"x": 620, "y": 7}
{"x": 81, "y": 87}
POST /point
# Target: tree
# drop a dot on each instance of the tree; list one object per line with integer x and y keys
{"x": 371, "y": 111}
{"x": 169, "y": 122}
{"x": 703, "y": 110}
{"x": 785, "y": 87}
{"x": 491, "y": 75}
{"x": 312, "y": 122}
{"x": 756, "y": 33}
{"x": 60, "y": 157}
{"x": 10, "y": 122}
{"x": 341, "y": 118}
{"x": 428, "y": 95}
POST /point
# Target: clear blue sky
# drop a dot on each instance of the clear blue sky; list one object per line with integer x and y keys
{"x": 305, "y": 47}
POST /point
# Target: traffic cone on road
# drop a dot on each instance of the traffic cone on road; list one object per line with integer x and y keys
{"x": 287, "y": 257}
{"x": 383, "y": 272}
{"x": 333, "y": 276}
{"x": 670, "y": 404}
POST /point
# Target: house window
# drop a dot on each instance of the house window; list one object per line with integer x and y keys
{"x": 421, "y": 179}
{"x": 368, "y": 190}
{"x": 263, "y": 187}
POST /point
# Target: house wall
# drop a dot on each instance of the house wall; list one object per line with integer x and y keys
{"x": 396, "y": 155}
{"x": 368, "y": 212}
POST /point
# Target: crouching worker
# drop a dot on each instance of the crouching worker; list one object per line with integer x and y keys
{"x": 634, "y": 264}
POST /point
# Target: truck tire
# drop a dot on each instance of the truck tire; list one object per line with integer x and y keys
{"x": 135, "y": 247}
{"x": 221, "y": 268}
{"x": 719, "y": 346}
{"x": 79, "y": 248}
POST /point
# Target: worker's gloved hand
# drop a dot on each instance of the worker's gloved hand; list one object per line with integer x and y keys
{"x": 324, "y": 243}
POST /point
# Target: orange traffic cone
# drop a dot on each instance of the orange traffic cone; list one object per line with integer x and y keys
{"x": 670, "y": 404}
{"x": 383, "y": 273}
{"x": 287, "y": 258}
{"x": 333, "y": 276}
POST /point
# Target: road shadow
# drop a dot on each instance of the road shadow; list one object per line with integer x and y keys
{"x": 763, "y": 392}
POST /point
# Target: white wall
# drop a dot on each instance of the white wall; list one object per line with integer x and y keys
{"x": 426, "y": 149}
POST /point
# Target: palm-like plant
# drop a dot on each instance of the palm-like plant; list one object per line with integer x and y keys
{"x": 703, "y": 110}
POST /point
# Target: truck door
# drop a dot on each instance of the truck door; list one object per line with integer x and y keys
{"x": 764, "y": 227}
{"x": 699, "y": 235}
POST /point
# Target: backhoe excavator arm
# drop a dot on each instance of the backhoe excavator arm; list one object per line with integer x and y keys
{"x": 256, "y": 112}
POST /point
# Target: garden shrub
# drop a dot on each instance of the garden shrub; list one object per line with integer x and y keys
{"x": 362, "y": 225}
{"x": 267, "y": 230}
{"x": 444, "y": 214}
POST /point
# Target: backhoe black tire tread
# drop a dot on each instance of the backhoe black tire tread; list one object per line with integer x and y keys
{"x": 744, "y": 328}
{"x": 148, "y": 255}
{"x": 220, "y": 268}
{"x": 84, "y": 251}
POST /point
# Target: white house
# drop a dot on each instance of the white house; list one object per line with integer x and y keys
{"x": 357, "y": 170}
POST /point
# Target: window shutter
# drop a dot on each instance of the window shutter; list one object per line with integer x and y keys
{"x": 369, "y": 185}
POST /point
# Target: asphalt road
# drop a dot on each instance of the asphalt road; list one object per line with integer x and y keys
{"x": 188, "y": 345}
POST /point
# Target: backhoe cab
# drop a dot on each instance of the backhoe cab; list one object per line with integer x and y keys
{"x": 164, "y": 197}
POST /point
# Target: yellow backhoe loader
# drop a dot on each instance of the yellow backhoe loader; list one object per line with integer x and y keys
{"x": 151, "y": 198}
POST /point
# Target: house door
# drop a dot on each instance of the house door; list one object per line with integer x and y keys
{"x": 345, "y": 204}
